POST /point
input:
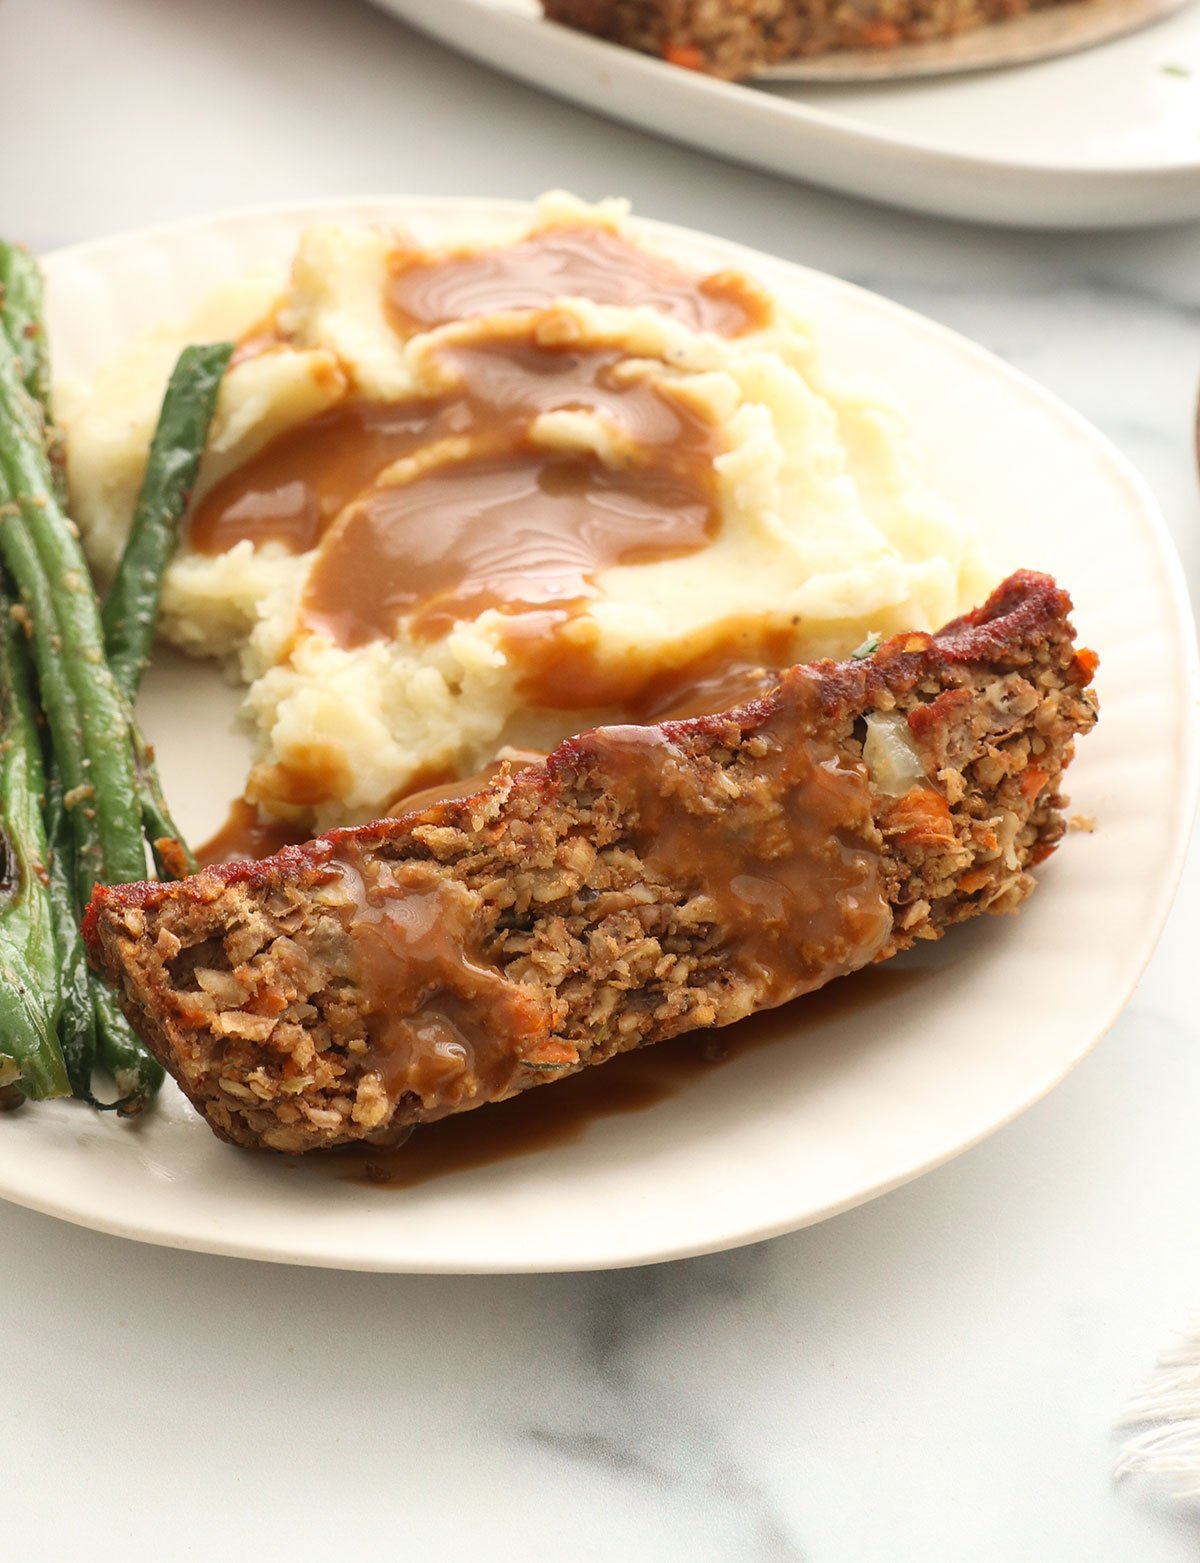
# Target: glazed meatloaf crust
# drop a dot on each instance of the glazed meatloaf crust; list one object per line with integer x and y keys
{"x": 735, "y": 38}
{"x": 642, "y": 882}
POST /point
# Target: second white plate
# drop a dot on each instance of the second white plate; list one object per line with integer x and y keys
{"x": 1109, "y": 137}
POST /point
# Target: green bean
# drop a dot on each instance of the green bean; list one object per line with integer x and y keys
{"x": 89, "y": 718}
{"x": 21, "y": 313}
{"x": 21, "y": 322}
{"x": 103, "y": 785}
{"x": 173, "y": 858}
{"x": 57, "y": 696}
{"x": 131, "y": 611}
{"x": 30, "y": 1057}
{"x": 77, "y": 1019}
{"x": 137, "y": 1075}
{"x": 70, "y": 765}
{"x": 91, "y": 1024}
{"x": 21, "y": 319}
{"x": 101, "y": 712}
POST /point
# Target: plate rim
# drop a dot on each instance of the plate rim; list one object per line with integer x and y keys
{"x": 1185, "y": 794}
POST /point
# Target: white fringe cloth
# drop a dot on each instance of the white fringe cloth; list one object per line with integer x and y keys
{"x": 1167, "y": 1408}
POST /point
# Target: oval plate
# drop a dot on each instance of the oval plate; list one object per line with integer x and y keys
{"x": 1104, "y": 138}
{"x": 790, "y": 1133}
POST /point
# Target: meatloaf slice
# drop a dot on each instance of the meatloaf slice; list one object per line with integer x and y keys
{"x": 736, "y": 38}
{"x": 642, "y": 882}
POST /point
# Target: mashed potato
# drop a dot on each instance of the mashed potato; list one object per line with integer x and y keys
{"x": 821, "y": 527}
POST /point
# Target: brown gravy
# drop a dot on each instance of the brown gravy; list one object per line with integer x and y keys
{"x": 444, "y": 1026}
{"x": 487, "y": 519}
{"x": 743, "y": 665}
{"x": 442, "y": 506}
{"x": 560, "y": 672}
{"x": 579, "y": 262}
{"x": 293, "y": 488}
{"x": 244, "y": 837}
{"x": 561, "y": 1114}
{"x": 772, "y": 866}
{"x": 788, "y": 871}
{"x": 264, "y": 336}
{"x": 509, "y": 525}
{"x": 432, "y": 789}
{"x": 522, "y": 533}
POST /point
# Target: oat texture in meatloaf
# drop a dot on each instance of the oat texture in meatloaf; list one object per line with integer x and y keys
{"x": 735, "y": 38}
{"x": 642, "y": 882}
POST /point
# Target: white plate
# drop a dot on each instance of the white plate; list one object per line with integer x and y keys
{"x": 1106, "y": 138}
{"x": 790, "y": 1133}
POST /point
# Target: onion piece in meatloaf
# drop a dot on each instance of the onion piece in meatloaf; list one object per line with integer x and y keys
{"x": 641, "y": 882}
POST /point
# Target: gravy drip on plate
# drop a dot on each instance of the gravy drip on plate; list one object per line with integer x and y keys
{"x": 580, "y": 262}
{"x": 245, "y": 836}
{"x": 632, "y": 1082}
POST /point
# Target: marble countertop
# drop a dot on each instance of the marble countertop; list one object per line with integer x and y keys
{"x": 931, "y": 1377}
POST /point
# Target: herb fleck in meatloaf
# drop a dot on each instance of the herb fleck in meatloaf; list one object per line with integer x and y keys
{"x": 735, "y": 38}
{"x": 642, "y": 882}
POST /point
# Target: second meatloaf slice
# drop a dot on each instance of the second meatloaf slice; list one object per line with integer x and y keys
{"x": 736, "y": 38}
{"x": 642, "y": 882}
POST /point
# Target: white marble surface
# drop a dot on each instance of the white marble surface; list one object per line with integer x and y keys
{"x": 929, "y": 1378}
